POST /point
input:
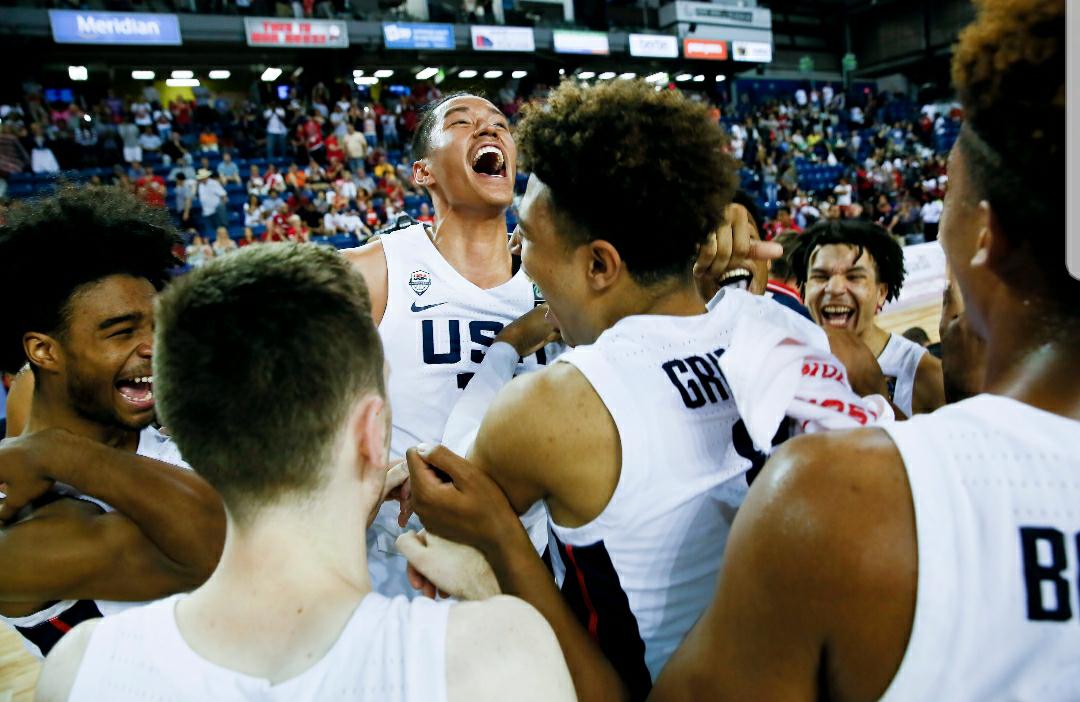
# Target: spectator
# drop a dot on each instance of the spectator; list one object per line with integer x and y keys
{"x": 426, "y": 217}
{"x": 182, "y": 167}
{"x": 334, "y": 149}
{"x": 271, "y": 206}
{"x": 296, "y": 178}
{"x": 365, "y": 182}
{"x": 208, "y": 140}
{"x": 843, "y": 191}
{"x": 213, "y": 201}
{"x": 129, "y": 135}
{"x": 198, "y": 252}
{"x": 186, "y": 192}
{"x": 276, "y": 131}
{"x": 389, "y": 128}
{"x": 151, "y": 188}
{"x": 275, "y": 182}
{"x": 253, "y": 212}
{"x": 228, "y": 171}
{"x": 248, "y": 239}
{"x": 356, "y": 148}
{"x": 931, "y": 216}
{"x": 42, "y": 158}
{"x": 173, "y": 149}
{"x": 311, "y": 135}
{"x": 370, "y": 130}
{"x": 149, "y": 141}
{"x": 223, "y": 244}
{"x": 256, "y": 184}
{"x": 918, "y": 335}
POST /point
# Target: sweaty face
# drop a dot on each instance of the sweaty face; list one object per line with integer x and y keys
{"x": 472, "y": 160}
{"x": 107, "y": 352}
{"x": 842, "y": 289}
{"x": 553, "y": 263}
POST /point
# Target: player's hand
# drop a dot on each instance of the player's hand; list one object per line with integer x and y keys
{"x": 439, "y": 566}
{"x": 458, "y": 501}
{"x": 395, "y": 486}
{"x": 864, "y": 372}
{"x": 23, "y": 469}
{"x": 530, "y": 332}
{"x": 731, "y": 241}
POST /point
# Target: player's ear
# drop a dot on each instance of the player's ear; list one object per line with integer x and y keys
{"x": 43, "y": 351}
{"x": 993, "y": 249}
{"x": 369, "y": 429}
{"x": 605, "y": 263}
{"x": 422, "y": 175}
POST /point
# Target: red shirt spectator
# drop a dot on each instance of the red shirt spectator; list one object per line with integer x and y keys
{"x": 334, "y": 150}
{"x": 151, "y": 188}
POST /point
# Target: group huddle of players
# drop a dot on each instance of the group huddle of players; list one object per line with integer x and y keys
{"x": 614, "y": 468}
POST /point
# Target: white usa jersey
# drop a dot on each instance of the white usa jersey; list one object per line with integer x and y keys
{"x": 435, "y": 330}
{"x": 390, "y": 650}
{"x": 899, "y": 362}
{"x": 996, "y": 489}
{"x": 42, "y": 629}
{"x": 640, "y": 574}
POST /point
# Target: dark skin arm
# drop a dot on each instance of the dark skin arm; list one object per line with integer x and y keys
{"x": 817, "y": 592}
{"x": 166, "y": 535}
{"x": 472, "y": 509}
{"x": 929, "y": 391}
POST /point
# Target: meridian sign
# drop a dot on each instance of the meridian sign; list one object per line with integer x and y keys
{"x": 135, "y": 28}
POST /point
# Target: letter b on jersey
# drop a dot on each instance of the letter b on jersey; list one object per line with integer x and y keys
{"x": 1046, "y": 563}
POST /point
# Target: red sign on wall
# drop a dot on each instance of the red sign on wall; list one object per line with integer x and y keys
{"x": 307, "y": 33}
{"x": 709, "y": 49}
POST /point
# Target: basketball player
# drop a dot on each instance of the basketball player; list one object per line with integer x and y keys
{"x": 298, "y": 452}
{"x": 93, "y": 260}
{"x": 848, "y": 270}
{"x": 943, "y": 563}
{"x": 439, "y": 297}
{"x": 635, "y": 442}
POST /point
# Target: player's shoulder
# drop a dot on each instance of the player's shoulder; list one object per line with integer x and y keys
{"x": 835, "y": 497}
{"x": 61, "y": 667}
{"x": 503, "y": 645}
{"x": 558, "y": 396}
{"x": 367, "y": 255}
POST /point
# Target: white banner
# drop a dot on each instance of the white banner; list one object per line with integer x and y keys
{"x": 758, "y": 51}
{"x": 503, "y": 38}
{"x": 925, "y": 276}
{"x": 654, "y": 45}
{"x": 567, "y": 42}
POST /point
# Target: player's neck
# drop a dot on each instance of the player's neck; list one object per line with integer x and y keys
{"x": 474, "y": 242}
{"x": 875, "y": 338}
{"x": 294, "y": 576}
{"x": 51, "y": 409}
{"x": 674, "y": 298}
{"x": 1027, "y": 364}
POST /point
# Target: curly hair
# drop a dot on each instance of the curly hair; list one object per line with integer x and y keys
{"x": 640, "y": 168}
{"x": 887, "y": 255}
{"x": 1009, "y": 72}
{"x": 52, "y": 247}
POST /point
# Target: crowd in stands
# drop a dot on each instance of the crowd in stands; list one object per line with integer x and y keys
{"x": 813, "y": 157}
{"x": 335, "y": 167}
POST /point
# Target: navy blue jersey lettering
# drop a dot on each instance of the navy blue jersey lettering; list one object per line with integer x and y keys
{"x": 1040, "y": 572}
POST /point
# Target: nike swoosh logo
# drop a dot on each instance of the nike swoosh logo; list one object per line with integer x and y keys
{"x": 417, "y": 308}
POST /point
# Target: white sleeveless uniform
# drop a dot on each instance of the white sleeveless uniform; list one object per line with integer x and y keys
{"x": 899, "y": 360}
{"x": 43, "y": 628}
{"x": 391, "y": 650}
{"x": 435, "y": 330}
{"x": 639, "y": 575}
{"x": 996, "y": 489}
